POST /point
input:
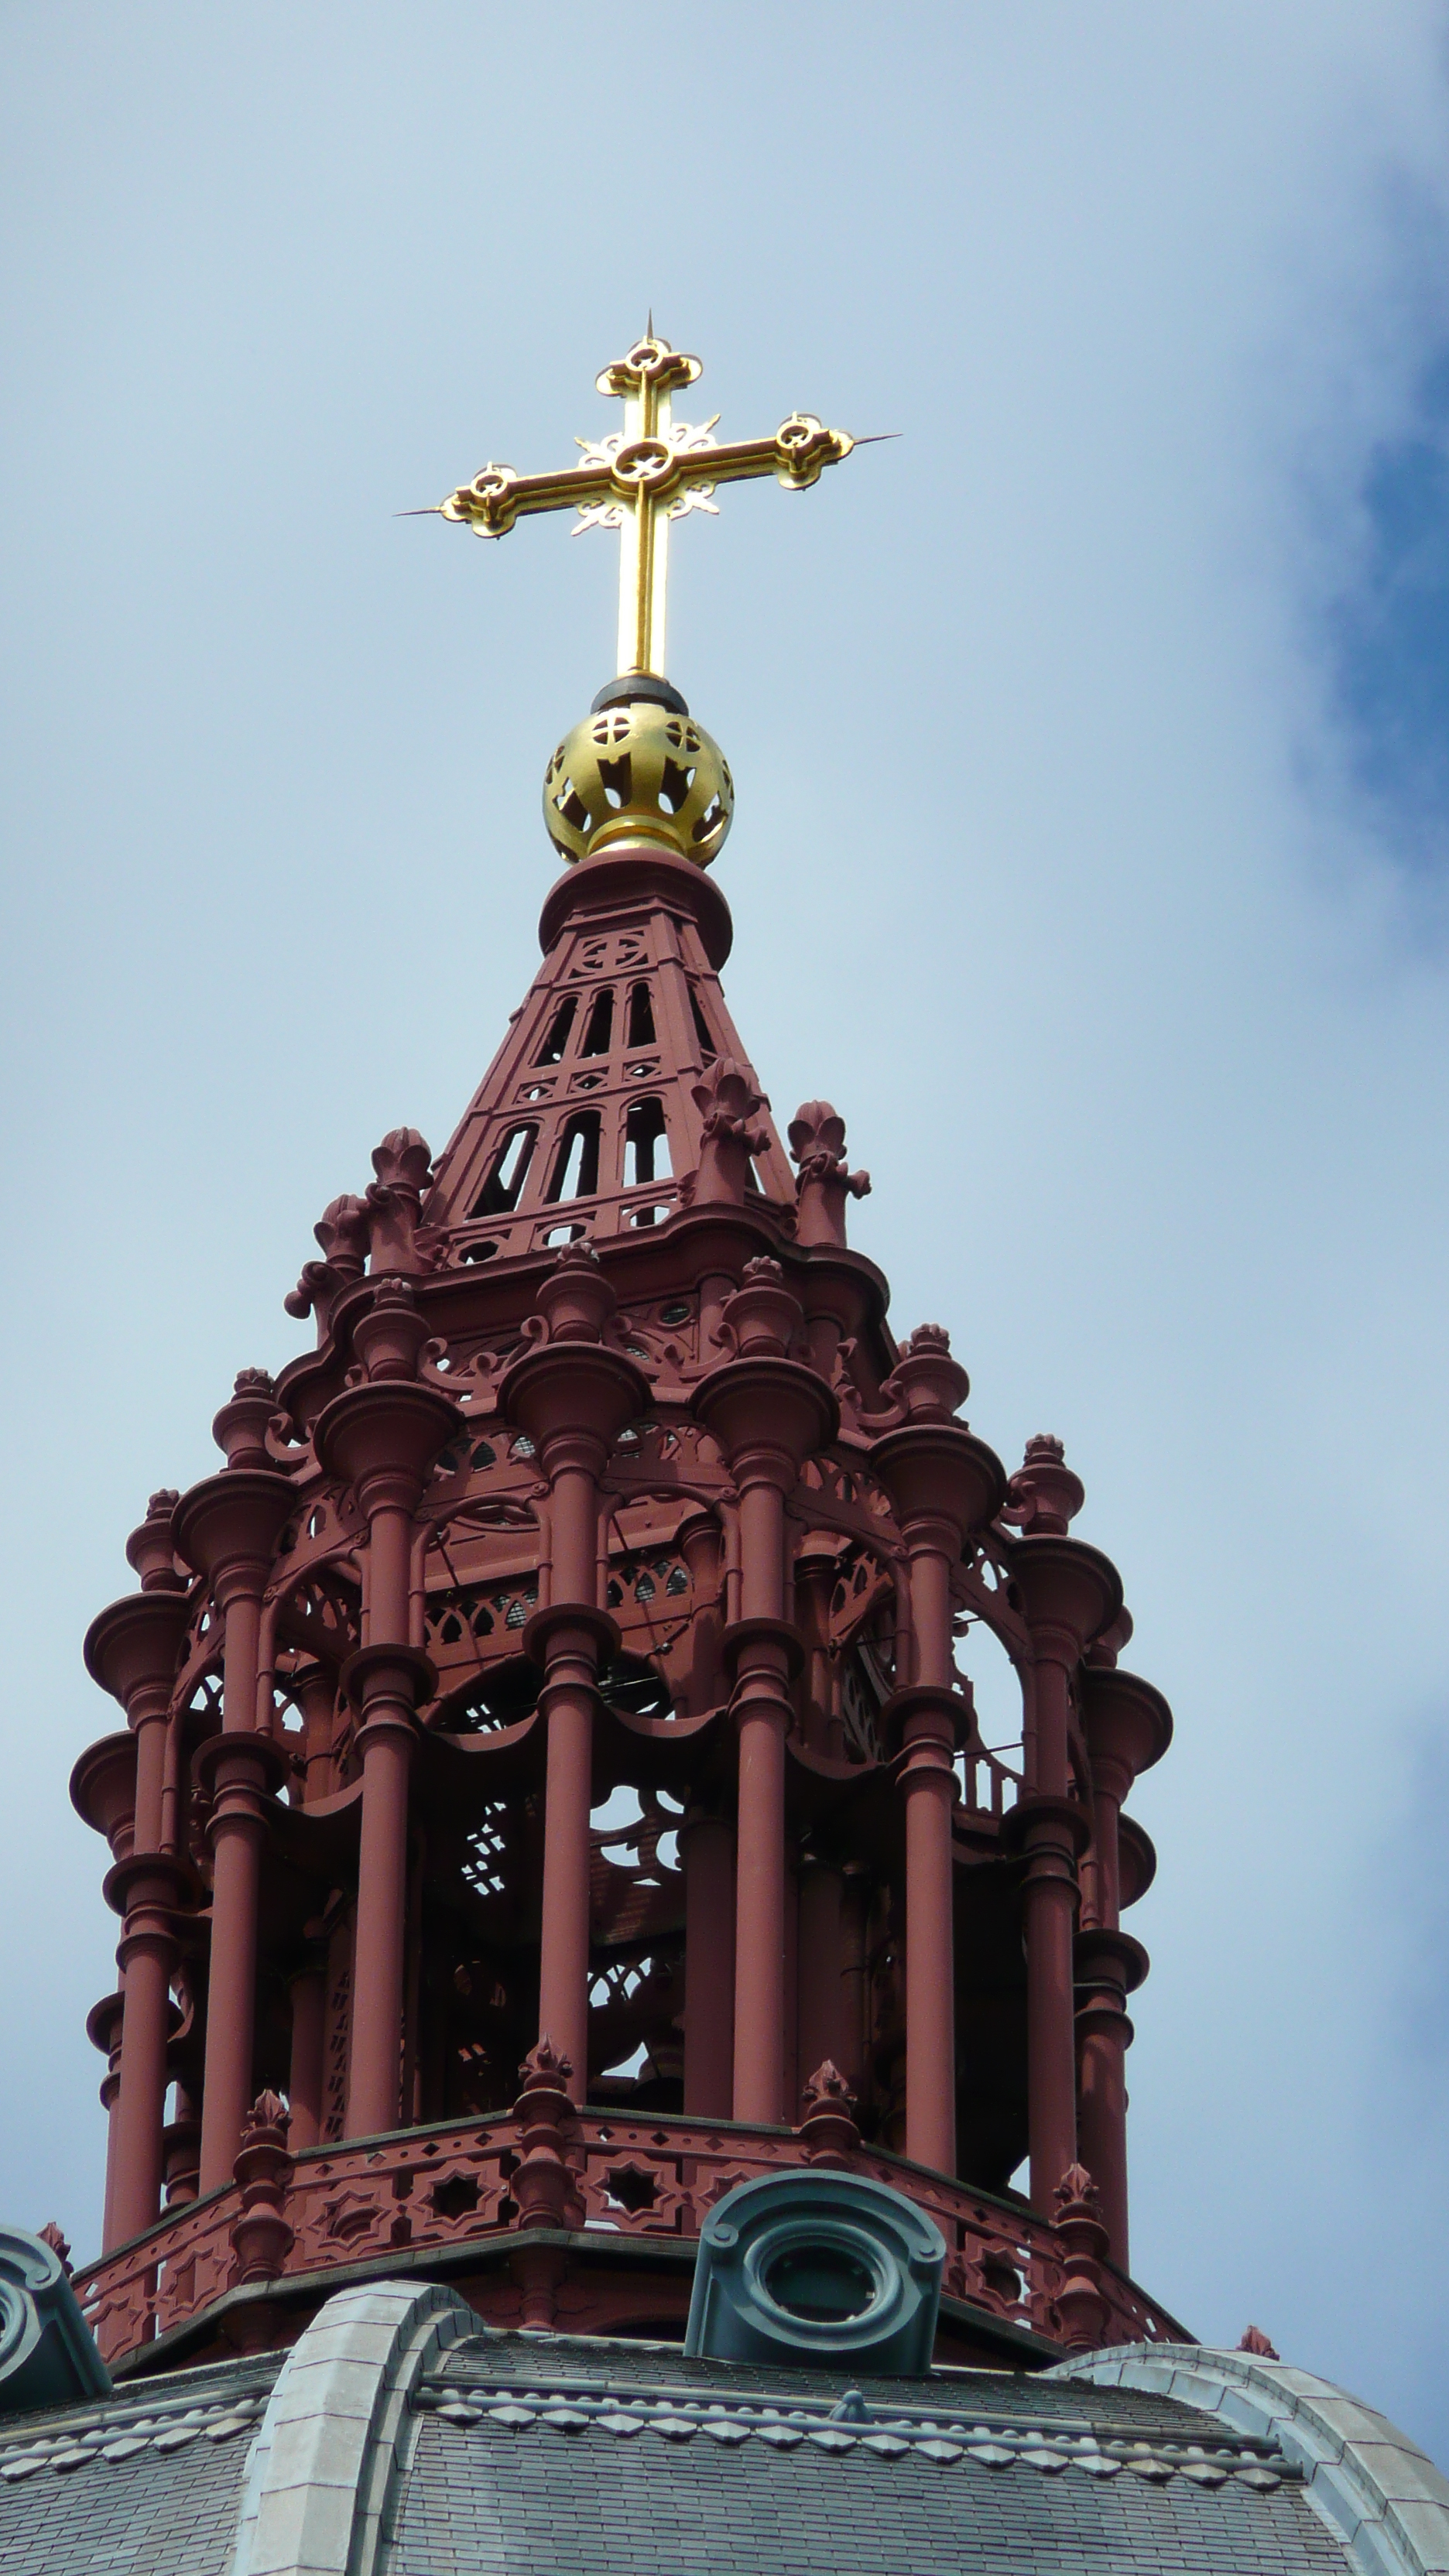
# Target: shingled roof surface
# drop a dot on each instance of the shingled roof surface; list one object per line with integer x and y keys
{"x": 144, "y": 2483}
{"x": 541, "y": 2454}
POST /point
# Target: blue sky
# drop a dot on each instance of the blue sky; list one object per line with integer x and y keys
{"x": 1090, "y": 852}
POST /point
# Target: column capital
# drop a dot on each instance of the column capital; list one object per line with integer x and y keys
{"x": 382, "y": 1438}
{"x": 103, "y": 1789}
{"x": 767, "y": 1416}
{"x": 1127, "y": 1724}
{"x": 573, "y": 1396}
{"x": 131, "y": 1648}
{"x": 228, "y": 1526}
{"x": 103, "y": 2023}
{"x": 939, "y": 1473}
{"x": 1069, "y": 1593}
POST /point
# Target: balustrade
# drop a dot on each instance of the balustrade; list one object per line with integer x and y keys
{"x": 426, "y": 2190}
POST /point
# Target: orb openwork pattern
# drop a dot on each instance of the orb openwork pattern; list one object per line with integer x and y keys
{"x": 639, "y": 772}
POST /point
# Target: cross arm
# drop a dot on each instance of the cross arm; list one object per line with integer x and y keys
{"x": 797, "y": 455}
{"x": 496, "y": 497}
{"x": 652, "y": 468}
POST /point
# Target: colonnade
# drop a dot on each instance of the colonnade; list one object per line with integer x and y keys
{"x": 768, "y": 1410}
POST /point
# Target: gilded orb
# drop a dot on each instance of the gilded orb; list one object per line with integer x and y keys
{"x": 639, "y": 770}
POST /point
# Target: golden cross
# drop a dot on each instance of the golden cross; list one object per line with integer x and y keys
{"x": 651, "y": 471}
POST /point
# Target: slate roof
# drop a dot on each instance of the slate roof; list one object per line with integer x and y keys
{"x": 140, "y": 2484}
{"x": 398, "y": 2438}
{"x": 563, "y": 2454}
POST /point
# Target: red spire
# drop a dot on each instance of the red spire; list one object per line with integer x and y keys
{"x": 607, "y": 1481}
{"x": 591, "y": 1118}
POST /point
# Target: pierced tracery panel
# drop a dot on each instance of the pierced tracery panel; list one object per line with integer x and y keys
{"x": 486, "y": 1868}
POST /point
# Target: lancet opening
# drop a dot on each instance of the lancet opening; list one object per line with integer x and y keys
{"x": 598, "y": 1035}
{"x": 641, "y": 1017}
{"x": 575, "y": 1172}
{"x": 504, "y": 1186}
{"x": 646, "y": 1144}
{"x": 551, "y": 1052}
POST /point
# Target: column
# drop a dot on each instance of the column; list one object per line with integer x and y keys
{"x": 763, "y": 1709}
{"x": 131, "y": 1650}
{"x": 1128, "y": 1726}
{"x": 707, "y": 1854}
{"x": 571, "y": 1664}
{"x": 944, "y": 1484}
{"x": 767, "y": 1413}
{"x": 385, "y": 1685}
{"x": 103, "y": 2029}
{"x": 821, "y": 2014}
{"x": 1069, "y": 1593}
{"x": 816, "y": 1566}
{"x": 573, "y": 1397}
{"x": 308, "y": 1991}
{"x": 228, "y": 1528}
{"x": 854, "y": 1908}
{"x": 382, "y": 1437}
{"x": 239, "y": 1783}
{"x": 707, "y": 1848}
{"x": 102, "y": 1790}
{"x": 928, "y": 1786}
{"x": 181, "y": 2141}
{"x": 1051, "y": 1843}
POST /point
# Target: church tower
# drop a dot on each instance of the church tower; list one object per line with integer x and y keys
{"x": 548, "y": 1795}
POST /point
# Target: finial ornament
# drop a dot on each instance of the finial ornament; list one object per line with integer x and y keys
{"x": 640, "y": 477}
{"x": 639, "y": 767}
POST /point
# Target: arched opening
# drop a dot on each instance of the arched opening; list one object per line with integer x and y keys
{"x": 598, "y": 1036}
{"x": 990, "y": 1771}
{"x": 504, "y": 1186}
{"x": 575, "y": 1173}
{"x": 646, "y": 1144}
{"x": 551, "y": 1051}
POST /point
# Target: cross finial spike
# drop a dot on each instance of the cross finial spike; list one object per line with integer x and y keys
{"x": 637, "y": 480}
